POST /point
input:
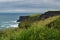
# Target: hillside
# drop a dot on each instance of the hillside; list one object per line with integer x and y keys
{"x": 55, "y": 24}
{"x": 42, "y": 19}
{"x": 34, "y": 28}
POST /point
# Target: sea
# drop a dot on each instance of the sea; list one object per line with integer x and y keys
{"x": 8, "y": 20}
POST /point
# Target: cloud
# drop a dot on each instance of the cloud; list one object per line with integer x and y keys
{"x": 9, "y": 0}
{"x": 29, "y": 5}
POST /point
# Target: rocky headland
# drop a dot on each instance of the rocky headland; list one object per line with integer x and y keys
{"x": 42, "y": 16}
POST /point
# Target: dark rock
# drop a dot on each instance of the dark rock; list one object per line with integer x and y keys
{"x": 49, "y": 14}
{"x": 42, "y": 16}
{"x": 22, "y": 18}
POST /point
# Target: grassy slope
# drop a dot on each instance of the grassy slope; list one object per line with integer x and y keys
{"x": 55, "y": 24}
{"x": 37, "y": 31}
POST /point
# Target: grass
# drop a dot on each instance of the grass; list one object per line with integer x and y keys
{"x": 37, "y": 30}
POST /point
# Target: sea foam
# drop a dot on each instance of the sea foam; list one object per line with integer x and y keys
{"x": 9, "y": 24}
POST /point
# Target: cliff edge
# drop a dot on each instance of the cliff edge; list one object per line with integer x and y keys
{"x": 42, "y": 16}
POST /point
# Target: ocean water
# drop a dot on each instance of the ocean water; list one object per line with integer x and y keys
{"x": 8, "y": 20}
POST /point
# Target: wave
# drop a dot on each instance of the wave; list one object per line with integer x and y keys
{"x": 9, "y": 24}
{"x": 15, "y": 25}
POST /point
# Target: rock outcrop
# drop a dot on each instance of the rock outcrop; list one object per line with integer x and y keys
{"x": 42, "y": 16}
{"x": 49, "y": 14}
{"x": 26, "y": 21}
{"x": 22, "y": 18}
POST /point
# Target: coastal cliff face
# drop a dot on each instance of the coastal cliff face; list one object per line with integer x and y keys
{"x": 22, "y": 18}
{"x": 42, "y": 16}
{"x": 49, "y": 14}
{"x": 27, "y": 20}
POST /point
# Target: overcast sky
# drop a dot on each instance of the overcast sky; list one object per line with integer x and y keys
{"x": 27, "y": 6}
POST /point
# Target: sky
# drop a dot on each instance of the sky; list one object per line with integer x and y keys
{"x": 29, "y": 6}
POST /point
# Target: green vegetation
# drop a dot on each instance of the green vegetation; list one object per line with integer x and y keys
{"x": 28, "y": 22}
{"x": 55, "y": 24}
{"x": 34, "y": 29}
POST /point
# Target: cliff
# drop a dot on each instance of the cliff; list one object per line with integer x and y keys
{"x": 41, "y": 17}
{"x": 28, "y": 20}
{"x": 22, "y": 18}
{"x": 49, "y": 14}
